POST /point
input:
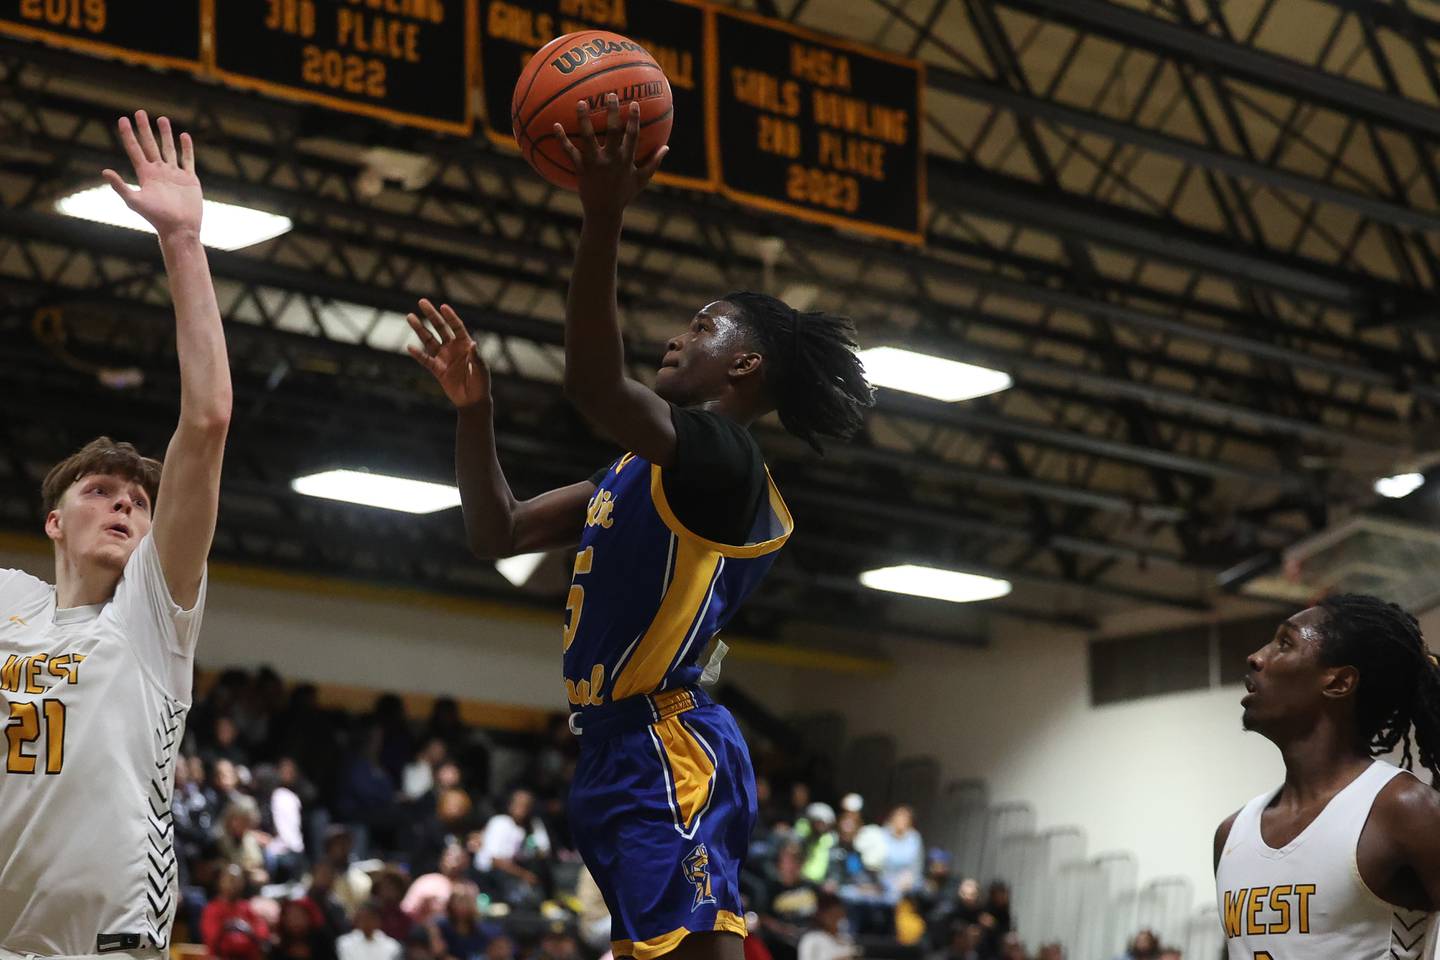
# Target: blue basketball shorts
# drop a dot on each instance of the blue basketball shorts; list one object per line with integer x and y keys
{"x": 662, "y": 814}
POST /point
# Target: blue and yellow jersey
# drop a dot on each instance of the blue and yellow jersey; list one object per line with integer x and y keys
{"x": 648, "y": 594}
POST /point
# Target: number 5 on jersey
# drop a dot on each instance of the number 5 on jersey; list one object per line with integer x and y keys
{"x": 575, "y": 602}
{"x": 23, "y": 727}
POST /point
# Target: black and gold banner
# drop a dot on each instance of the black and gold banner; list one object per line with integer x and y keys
{"x": 409, "y": 61}
{"x": 158, "y": 33}
{"x": 817, "y": 127}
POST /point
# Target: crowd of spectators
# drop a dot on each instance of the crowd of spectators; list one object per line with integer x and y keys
{"x": 311, "y": 834}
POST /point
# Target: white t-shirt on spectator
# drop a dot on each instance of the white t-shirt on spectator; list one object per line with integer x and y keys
{"x": 871, "y": 844}
{"x": 356, "y": 946}
{"x": 503, "y": 840}
{"x": 822, "y": 945}
{"x": 417, "y": 780}
{"x": 285, "y": 811}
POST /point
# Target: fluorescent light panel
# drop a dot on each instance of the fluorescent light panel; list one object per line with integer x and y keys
{"x": 378, "y": 490}
{"x": 224, "y": 226}
{"x": 519, "y": 569}
{"x": 1400, "y": 485}
{"x": 935, "y": 583}
{"x": 937, "y": 377}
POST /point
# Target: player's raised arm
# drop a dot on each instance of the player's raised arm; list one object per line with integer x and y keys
{"x": 595, "y": 381}
{"x": 496, "y": 524}
{"x": 169, "y": 198}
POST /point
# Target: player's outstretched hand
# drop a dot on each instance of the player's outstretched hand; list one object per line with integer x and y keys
{"x": 169, "y": 196}
{"x": 608, "y": 174}
{"x": 448, "y": 352}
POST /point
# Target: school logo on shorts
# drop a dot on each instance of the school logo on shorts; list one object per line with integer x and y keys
{"x": 697, "y": 871}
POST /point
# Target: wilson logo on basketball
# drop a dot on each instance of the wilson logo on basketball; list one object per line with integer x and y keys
{"x": 576, "y": 57}
{"x": 635, "y": 91}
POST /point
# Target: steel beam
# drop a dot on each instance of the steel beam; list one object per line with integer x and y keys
{"x": 1052, "y": 111}
{"x": 1131, "y": 26}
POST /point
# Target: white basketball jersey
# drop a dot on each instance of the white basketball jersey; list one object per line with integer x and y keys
{"x": 1306, "y": 899}
{"x": 97, "y": 698}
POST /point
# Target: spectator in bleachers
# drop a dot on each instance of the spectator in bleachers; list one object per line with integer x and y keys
{"x": 352, "y": 884}
{"x": 816, "y": 834}
{"x": 521, "y": 855}
{"x": 446, "y": 726}
{"x": 1011, "y": 948}
{"x": 1169, "y": 953}
{"x": 557, "y": 944}
{"x": 418, "y": 779}
{"x": 799, "y": 800}
{"x": 280, "y": 820}
{"x": 501, "y": 947}
{"x": 871, "y": 842}
{"x": 964, "y": 909}
{"x": 904, "y": 862}
{"x": 1143, "y": 946}
{"x": 428, "y": 895}
{"x": 397, "y": 746}
{"x": 937, "y": 887}
{"x": 222, "y": 787}
{"x": 229, "y": 925}
{"x": 367, "y": 795}
{"x": 445, "y": 822}
{"x": 417, "y": 945}
{"x": 225, "y": 744}
{"x": 458, "y": 934}
{"x": 308, "y": 734}
{"x": 367, "y": 941}
{"x": 969, "y": 942}
{"x": 512, "y": 853}
{"x": 827, "y": 939}
{"x": 997, "y": 906}
{"x": 389, "y": 886}
{"x": 1051, "y": 951}
{"x": 856, "y": 885}
{"x": 299, "y": 937}
{"x": 328, "y": 911}
{"x": 790, "y": 904}
{"x": 239, "y": 841}
{"x": 263, "y": 730}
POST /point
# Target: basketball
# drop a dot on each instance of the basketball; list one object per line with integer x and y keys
{"x": 588, "y": 65}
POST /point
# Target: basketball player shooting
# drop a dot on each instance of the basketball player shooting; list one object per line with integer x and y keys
{"x": 95, "y": 682}
{"x": 673, "y": 536}
{"x": 1342, "y": 861}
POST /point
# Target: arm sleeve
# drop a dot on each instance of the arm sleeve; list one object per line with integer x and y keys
{"x": 161, "y": 634}
{"x": 718, "y": 481}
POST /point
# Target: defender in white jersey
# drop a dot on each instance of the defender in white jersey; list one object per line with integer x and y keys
{"x": 1342, "y": 861}
{"x": 95, "y": 670}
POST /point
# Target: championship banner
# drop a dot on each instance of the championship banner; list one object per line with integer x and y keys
{"x": 816, "y": 127}
{"x": 157, "y": 33}
{"x": 673, "y": 31}
{"x": 406, "y": 61}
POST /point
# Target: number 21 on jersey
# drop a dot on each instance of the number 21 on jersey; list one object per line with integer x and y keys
{"x": 23, "y": 728}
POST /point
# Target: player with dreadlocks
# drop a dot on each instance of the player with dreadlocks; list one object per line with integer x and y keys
{"x": 1342, "y": 861}
{"x": 673, "y": 536}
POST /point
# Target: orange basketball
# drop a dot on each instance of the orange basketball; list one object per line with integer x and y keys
{"x": 588, "y": 65}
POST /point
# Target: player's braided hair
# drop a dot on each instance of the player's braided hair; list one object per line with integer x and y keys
{"x": 816, "y": 380}
{"x": 1399, "y": 681}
